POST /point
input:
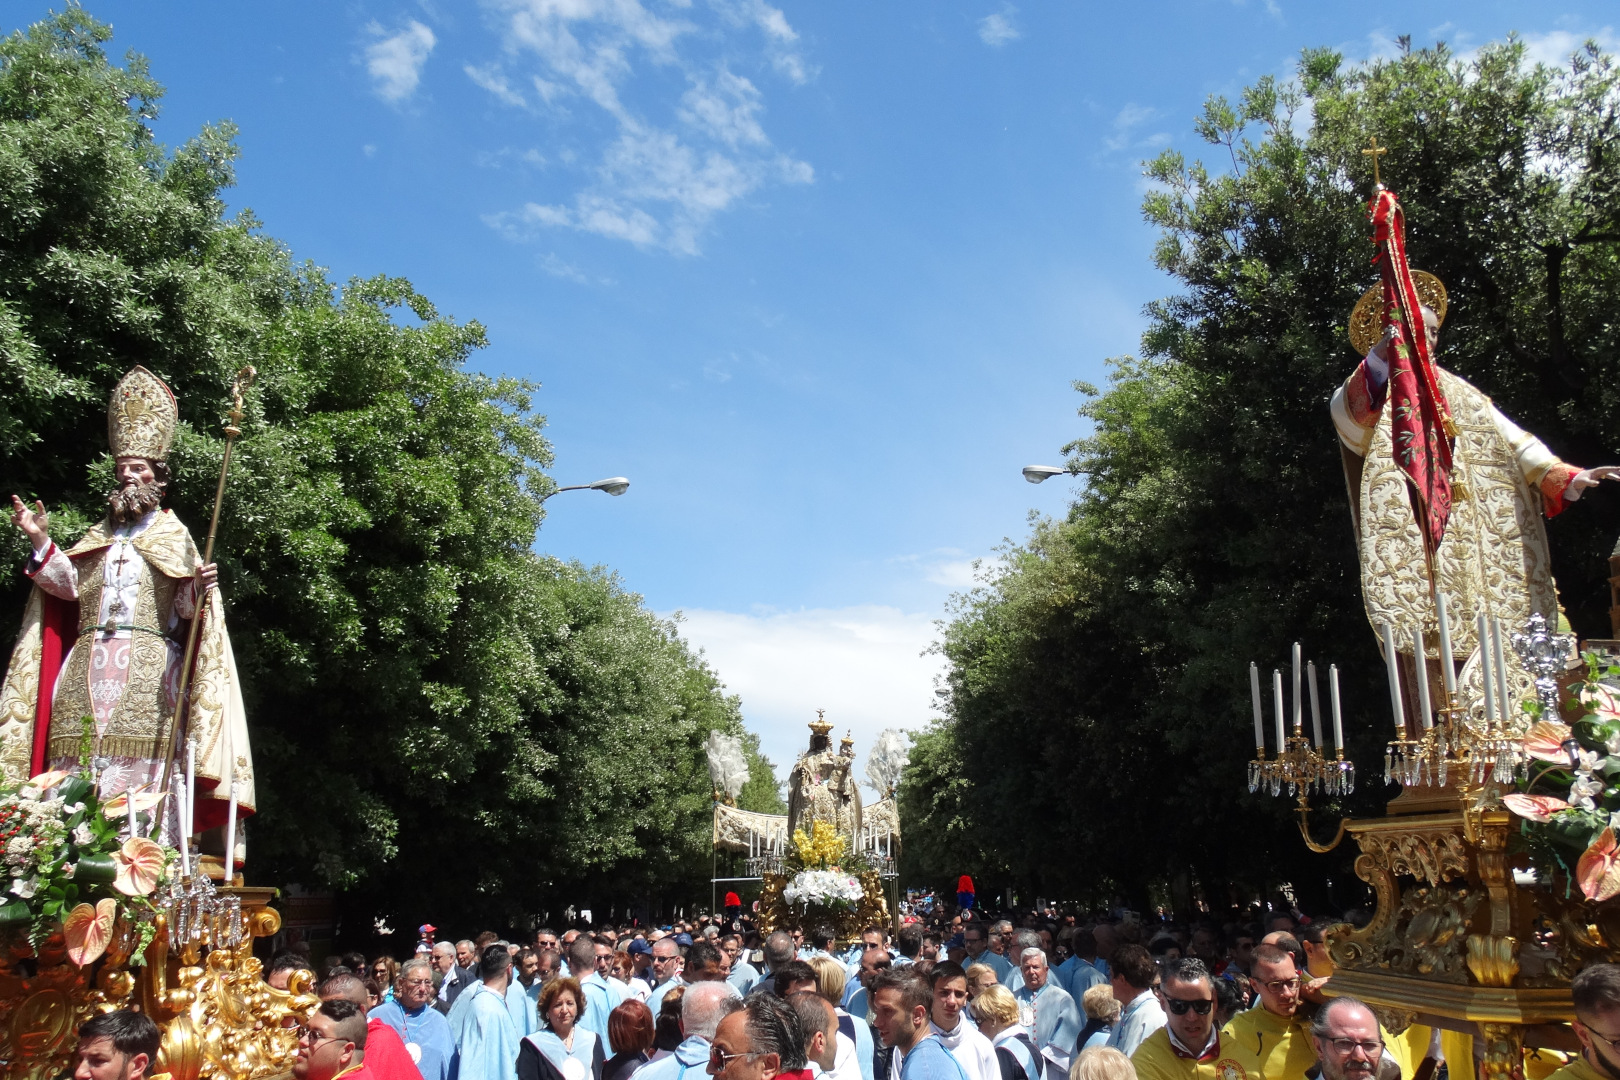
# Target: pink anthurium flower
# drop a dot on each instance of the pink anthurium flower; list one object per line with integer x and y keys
{"x": 1602, "y": 700}
{"x": 87, "y": 930}
{"x": 118, "y": 805}
{"x": 1599, "y": 869}
{"x": 47, "y": 780}
{"x": 140, "y": 866}
{"x": 1535, "y": 807}
{"x": 1545, "y": 742}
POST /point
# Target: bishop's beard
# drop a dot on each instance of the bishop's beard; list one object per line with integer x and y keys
{"x": 132, "y": 503}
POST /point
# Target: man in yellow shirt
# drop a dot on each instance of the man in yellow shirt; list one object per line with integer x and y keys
{"x": 1274, "y": 1032}
{"x": 1596, "y": 991}
{"x": 1188, "y": 1047}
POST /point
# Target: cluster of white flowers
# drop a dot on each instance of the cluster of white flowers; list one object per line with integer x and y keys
{"x": 826, "y": 887}
{"x": 33, "y": 829}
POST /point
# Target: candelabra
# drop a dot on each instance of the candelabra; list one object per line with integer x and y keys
{"x": 1487, "y": 746}
{"x": 1301, "y": 765}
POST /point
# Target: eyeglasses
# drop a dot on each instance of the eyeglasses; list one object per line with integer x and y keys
{"x": 718, "y": 1058}
{"x": 1179, "y": 1006}
{"x": 1348, "y": 1046}
{"x": 418, "y": 982}
{"x": 1614, "y": 1043}
{"x": 307, "y": 1035}
{"x": 1280, "y": 986}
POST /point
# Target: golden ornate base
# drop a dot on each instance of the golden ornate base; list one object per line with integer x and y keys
{"x": 220, "y": 1019}
{"x": 776, "y": 914}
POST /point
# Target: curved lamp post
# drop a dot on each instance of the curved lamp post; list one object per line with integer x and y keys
{"x": 613, "y": 485}
{"x": 1036, "y": 474}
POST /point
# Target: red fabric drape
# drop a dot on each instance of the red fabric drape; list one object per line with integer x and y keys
{"x": 1421, "y": 420}
{"x": 58, "y": 620}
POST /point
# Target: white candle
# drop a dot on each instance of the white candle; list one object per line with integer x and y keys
{"x": 1422, "y": 669}
{"x": 1277, "y": 696}
{"x": 1392, "y": 660}
{"x": 1487, "y": 670}
{"x": 230, "y": 813}
{"x": 188, "y": 819}
{"x": 1259, "y": 723}
{"x": 1316, "y": 704}
{"x": 1448, "y": 672}
{"x": 1503, "y": 703}
{"x": 1299, "y": 708}
{"x": 1333, "y": 696}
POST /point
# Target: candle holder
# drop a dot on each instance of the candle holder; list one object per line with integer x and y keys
{"x": 1299, "y": 769}
{"x": 1485, "y": 749}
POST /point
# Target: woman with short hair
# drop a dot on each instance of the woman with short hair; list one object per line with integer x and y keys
{"x": 630, "y": 1031}
{"x": 1102, "y": 1013}
{"x": 562, "y": 1050}
{"x": 996, "y": 1011}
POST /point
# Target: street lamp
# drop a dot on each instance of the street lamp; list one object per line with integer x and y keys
{"x": 1035, "y": 474}
{"x": 613, "y": 485}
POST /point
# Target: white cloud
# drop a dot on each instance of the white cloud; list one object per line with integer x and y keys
{"x": 865, "y": 665}
{"x": 1126, "y": 123}
{"x": 1555, "y": 47}
{"x": 490, "y": 78}
{"x": 997, "y": 29}
{"x": 658, "y": 182}
{"x": 395, "y": 62}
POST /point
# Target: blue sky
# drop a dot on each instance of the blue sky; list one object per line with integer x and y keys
{"x": 816, "y": 277}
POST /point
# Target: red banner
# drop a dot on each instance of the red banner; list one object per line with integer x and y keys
{"x": 1420, "y": 419}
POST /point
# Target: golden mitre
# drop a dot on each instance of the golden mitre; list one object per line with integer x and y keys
{"x": 1367, "y": 319}
{"x": 141, "y": 416}
{"x": 820, "y": 725}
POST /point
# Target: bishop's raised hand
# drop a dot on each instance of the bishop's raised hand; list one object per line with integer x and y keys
{"x": 34, "y": 522}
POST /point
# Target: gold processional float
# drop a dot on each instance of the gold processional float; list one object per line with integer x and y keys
{"x": 1495, "y": 867}
{"x": 97, "y": 911}
{"x": 828, "y": 860}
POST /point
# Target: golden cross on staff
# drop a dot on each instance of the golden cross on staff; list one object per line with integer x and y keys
{"x": 1375, "y": 152}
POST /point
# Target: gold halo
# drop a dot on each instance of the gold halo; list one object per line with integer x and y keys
{"x": 1366, "y": 320}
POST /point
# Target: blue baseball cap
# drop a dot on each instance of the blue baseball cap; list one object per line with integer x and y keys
{"x": 639, "y": 946}
{"x": 684, "y": 940}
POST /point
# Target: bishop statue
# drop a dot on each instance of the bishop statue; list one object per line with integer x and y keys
{"x": 97, "y": 664}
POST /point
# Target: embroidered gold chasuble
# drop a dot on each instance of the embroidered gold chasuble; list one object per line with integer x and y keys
{"x": 126, "y": 680}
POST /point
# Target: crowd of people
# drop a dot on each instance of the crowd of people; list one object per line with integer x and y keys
{"x": 1042, "y": 998}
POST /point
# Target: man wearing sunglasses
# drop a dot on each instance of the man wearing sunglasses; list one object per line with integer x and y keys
{"x": 1274, "y": 1032}
{"x": 1188, "y": 1047}
{"x": 1596, "y": 992}
{"x": 760, "y": 1041}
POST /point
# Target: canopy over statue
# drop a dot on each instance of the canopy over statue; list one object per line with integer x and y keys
{"x": 97, "y": 665}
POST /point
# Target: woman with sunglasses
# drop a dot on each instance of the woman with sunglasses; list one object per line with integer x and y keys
{"x": 561, "y": 1050}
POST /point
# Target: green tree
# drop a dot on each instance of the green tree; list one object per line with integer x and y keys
{"x": 1098, "y": 723}
{"x": 445, "y": 724}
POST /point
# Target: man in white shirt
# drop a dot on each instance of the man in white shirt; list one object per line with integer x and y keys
{"x": 975, "y": 1053}
{"x": 1134, "y": 973}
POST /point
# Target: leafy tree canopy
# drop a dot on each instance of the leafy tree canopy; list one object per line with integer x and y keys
{"x": 444, "y": 722}
{"x": 1098, "y": 720}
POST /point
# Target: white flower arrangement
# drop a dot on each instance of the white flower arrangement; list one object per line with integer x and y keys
{"x": 829, "y": 888}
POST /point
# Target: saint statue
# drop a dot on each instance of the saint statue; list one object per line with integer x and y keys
{"x": 821, "y": 787}
{"x": 97, "y": 664}
{"x": 1493, "y": 558}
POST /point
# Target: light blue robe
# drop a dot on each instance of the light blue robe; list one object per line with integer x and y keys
{"x": 743, "y": 976}
{"x": 602, "y": 996}
{"x": 997, "y": 963}
{"x": 524, "y": 1009}
{"x": 556, "y": 1053}
{"x": 859, "y": 1004}
{"x": 861, "y": 1033}
{"x": 429, "y": 1030}
{"x": 486, "y": 1040}
{"x": 1078, "y": 976}
{"x": 655, "y": 1000}
{"x": 690, "y": 1061}
{"x": 1057, "y": 1020}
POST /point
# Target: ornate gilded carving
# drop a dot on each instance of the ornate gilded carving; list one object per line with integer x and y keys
{"x": 1493, "y": 960}
{"x": 1392, "y": 1019}
{"x": 1503, "y": 1052}
{"x": 1424, "y": 935}
{"x": 1432, "y": 855}
{"x": 775, "y": 914}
